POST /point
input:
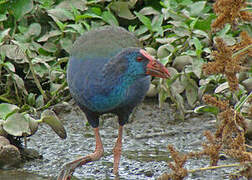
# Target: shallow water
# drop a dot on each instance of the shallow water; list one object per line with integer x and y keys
{"x": 144, "y": 154}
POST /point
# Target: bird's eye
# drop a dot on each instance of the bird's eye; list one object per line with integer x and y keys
{"x": 139, "y": 59}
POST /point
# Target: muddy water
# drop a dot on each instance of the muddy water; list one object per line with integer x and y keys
{"x": 144, "y": 154}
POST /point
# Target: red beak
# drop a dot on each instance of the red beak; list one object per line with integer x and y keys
{"x": 154, "y": 67}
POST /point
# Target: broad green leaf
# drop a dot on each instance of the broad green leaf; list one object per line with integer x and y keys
{"x": 4, "y": 34}
{"x": 181, "y": 61}
{"x": 191, "y": 89}
{"x": 3, "y": 17}
{"x": 149, "y": 11}
{"x": 17, "y": 125}
{"x": 109, "y": 18}
{"x": 163, "y": 51}
{"x": 145, "y": 20}
{"x": 193, "y": 23}
{"x": 50, "y": 118}
{"x": 34, "y": 30}
{"x": 66, "y": 44}
{"x": 197, "y": 7}
{"x": 33, "y": 124}
{"x": 157, "y": 24}
{"x": 122, "y": 9}
{"x": 60, "y": 24}
{"x": 12, "y": 51}
{"x": 96, "y": 10}
{"x": 7, "y": 109}
{"x": 49, "y": 35}
{"x": 77, "y": 27}
{"x": 174, "y": 82}
{"x": 31, "y": 99}
{"x": 41, "y": 69}
{"x": 40, "y": 101}
{"x": 49, "y": 47}
{"x": 191, "y": 94}
{"x": 205, "y": 24}
{"x": 201, "y": 33}
{"x": 60, "y": 14}
{"x": 197, "y": 66}
{"x": 224, "y": 30}
{"x": 20, "y": 8}
{"x": 20, "y": 83}
{"x": 70, "y": 4}
{"x": 9, "y": 66}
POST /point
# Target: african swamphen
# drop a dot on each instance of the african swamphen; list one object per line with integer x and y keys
{"x": 108, "y": 73}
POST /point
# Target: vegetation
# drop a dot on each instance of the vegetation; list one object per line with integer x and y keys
{"x": 206, "y": 45}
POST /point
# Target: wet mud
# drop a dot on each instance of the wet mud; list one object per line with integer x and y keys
{"x": 144, "y": 154}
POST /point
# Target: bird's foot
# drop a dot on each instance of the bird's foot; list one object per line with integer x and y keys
{"x": 69, "y": 168}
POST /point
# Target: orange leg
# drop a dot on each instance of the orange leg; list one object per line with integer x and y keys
{"x": 68, "y": 168}
{"x": 117, "y": 150}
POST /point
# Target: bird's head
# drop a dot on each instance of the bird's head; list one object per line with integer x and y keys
{"x": 141, "y": 63}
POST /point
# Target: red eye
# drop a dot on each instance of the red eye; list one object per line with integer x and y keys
{"x": 139, "y": 59}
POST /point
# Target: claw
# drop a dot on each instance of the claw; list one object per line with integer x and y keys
{"x": 68, "y": 168}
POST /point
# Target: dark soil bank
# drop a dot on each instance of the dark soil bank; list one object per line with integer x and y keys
{"x": 144, "y": 154}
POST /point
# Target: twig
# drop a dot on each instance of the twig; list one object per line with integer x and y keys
{"x": 248, "y": 146}
{"x": 35, "y": 77}
{"x": 54, "y": 96}
{"x": 214, "y": 167}
{"x": 242, "y": 50}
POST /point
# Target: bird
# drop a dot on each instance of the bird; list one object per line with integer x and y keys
{"x": 108, "y": 72}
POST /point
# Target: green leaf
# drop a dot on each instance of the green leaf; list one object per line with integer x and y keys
{"x": 122, "y": 9}
{"x": 96, "y": 10}
{"x": 12, "y": 51}
{"x": 50, "y": 118}
{"x": 206, "y": 109}
{"x": 31, "y": 99}
{"x": 3, "y": 17}
{"x": 17, "y": 125}
{"x": 205, "y": 24}
{"x": 4, "y": 34}
{"x": 197, "y": 7}
{"x": 191, "y": 94}
{"x": 109, "y": 18}
{"x": 157, "y": 24}
{"x": 197, "y": 66}
{"x": 7, "y": 109}
{"x": 198, "y": 46}
{"x": 77, "y": 27}
{"x": 191, "y": 89}
{"x": 242, "y": 101}
{"x": 40, "y": 101}
{"x": 20, "y": 8}
{"x": 41, "y": 69}
{"x": 145, "y": 20}
{"x": 60, "y": 14}
{"x": 20, "y": 83}
{"x": 33, "y": 124}
{"x": 9, "y": 66}
{"x": 193, "y": 23}
{"x": 86, "y": 16}
{"x": 46, "y": 36}
{"x": 66, "y": 44}
{"x": 34, "y": 30}
{"x": 60, "y": 25}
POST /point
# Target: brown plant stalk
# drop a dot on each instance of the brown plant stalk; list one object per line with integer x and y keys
{"x": 230, "y": 11}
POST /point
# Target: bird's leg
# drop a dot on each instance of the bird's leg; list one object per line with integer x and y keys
{"x": 117, "y": 150}
{"x": 68, "y": 168}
